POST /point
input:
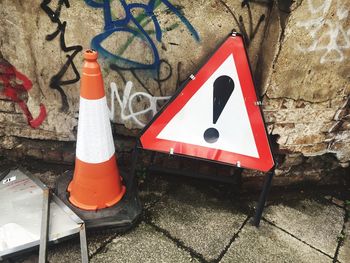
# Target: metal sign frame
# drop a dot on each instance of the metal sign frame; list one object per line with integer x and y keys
{"x": 43, "y": 241}
{"x": 148, "y": 137}
{"x": 269, "y": 171}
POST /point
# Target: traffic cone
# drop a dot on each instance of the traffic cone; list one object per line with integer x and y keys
{"x": 96, "y": 181}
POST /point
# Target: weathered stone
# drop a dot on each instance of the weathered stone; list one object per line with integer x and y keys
{"x": 53, "y": 156}
{"x": 292, "y": 160}
{"x": 309, "y": 80}
{"x": 24, "y": 45}
{"x": 316, "y": 38}
{"x": 338, "y": 202}
{"x": 299, "y": 53}
{"x": 312, "y": 222}
{"x": 345, "y": 126}
{"x": 35, "y": 153}
{"x": 68, "y": 156}
{"x": 12, "y": 119}
{"x": 270, "y": 244}
{"x": 340, "y": 145}
{"x": 28, "y": 132}
{"x": 6, "y": 106}
{"x": 8, "y": 143}
{"x": 270, "y": 49}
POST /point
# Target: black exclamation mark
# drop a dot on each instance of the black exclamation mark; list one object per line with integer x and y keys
{"x": 223, "y": 88}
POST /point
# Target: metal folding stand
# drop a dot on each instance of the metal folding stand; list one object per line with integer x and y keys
{"x": 224, "y": 81}
{"x": 222, "y": 179}
{"x": 233, "y": 178}
{"x": 44, "y": 235}
{"x": 40, "y": 216}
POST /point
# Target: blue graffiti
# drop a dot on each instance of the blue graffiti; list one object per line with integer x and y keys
{"x": 122, "y": 25}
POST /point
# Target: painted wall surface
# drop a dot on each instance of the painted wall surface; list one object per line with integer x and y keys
{"x": 299, "y": 52}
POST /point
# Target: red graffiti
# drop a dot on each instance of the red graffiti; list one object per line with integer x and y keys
{"x": 15, "y": 86}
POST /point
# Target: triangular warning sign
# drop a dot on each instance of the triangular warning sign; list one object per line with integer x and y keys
{"x": 216, "y": 115}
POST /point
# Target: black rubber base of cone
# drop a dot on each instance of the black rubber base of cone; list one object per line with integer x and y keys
{"x": 121, "y": 217}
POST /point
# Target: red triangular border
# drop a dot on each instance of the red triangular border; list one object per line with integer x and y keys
{"x": 233, "y": 45}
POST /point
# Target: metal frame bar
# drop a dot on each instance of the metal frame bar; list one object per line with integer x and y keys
{"x": 222, "y": 179}
{"x": 83, "y": 244}
{"x": 269, "y": 175}
{"x": 263, "y": 195}
{"x": 44, "y": 234}
{"x": 47, "y": 195}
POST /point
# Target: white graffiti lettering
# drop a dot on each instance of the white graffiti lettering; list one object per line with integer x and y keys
{"x": 328, "y": 35}
{"x": 126, "y": 103}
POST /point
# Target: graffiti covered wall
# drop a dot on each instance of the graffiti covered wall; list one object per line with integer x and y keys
{"x": 307, "y": 90}
{"x": 299, "y": 52}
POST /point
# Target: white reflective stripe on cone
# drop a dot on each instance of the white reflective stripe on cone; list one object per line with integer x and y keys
{"x": 95, "y": 141}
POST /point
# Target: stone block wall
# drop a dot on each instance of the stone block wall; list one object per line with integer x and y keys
{"x": 299, "y": 52}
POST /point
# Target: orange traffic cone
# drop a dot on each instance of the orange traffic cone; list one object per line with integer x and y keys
{"x": 96, "y": 182}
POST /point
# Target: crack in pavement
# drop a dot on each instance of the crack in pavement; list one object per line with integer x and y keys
{"x": 177, "y": 242}
{"x": 103, "y": 245}
{"x": 342, "y": 233}
{"x": 235, "y": 236}
{"x": 297, "y": 238}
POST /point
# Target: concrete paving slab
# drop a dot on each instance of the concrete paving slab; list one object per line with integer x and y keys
{"x": 152, "y": 190}
{"x": 316, "y": 223}
{"x": 270, "y": 244}
{"x": 143, "y": 244}
{"x": 344, "y": 251}
{"x": 200, "y": 220}
{"x": 69, "y": 251}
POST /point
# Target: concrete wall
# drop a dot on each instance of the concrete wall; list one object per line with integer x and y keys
{"x": 299, "y": 51}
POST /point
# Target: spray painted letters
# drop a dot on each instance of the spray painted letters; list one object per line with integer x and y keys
{"x": 126, "y": 103}
{"x": 127, "y": 25}
{"x": 248, "y": 34}
{"x": 328, "y": 34}
{"x": 56, "y": 81}
{"x": 15, "y": 86}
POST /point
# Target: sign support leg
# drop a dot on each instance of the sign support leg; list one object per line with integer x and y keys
{"x": 45, "y": 221}
{"x": 134, "y": 158}
{"x": 263, "y": 196}
{"x": 83, "y": 244}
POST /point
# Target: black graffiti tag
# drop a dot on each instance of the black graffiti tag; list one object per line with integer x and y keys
{"x": 248, "y": 34}
{"x": 57, "y": 81}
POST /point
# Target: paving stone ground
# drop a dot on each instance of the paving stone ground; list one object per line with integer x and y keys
{"x": 144, "y": 244}
{"x": 344, "y": 251}
{"x": 316, "y": 223}
{"x": 196, "y": 221}
{"x": 201, "y": 222}
{"x": 270, "y": 244}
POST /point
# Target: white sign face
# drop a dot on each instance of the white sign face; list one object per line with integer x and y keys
{"x": 233, "y": 132}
